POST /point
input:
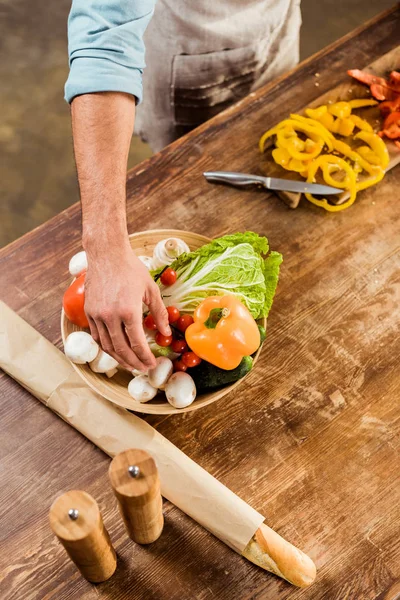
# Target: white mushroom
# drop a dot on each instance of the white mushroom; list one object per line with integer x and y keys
{"x": 111, "y": 373}
{"x": 159, "y": 375}
{"x": 78, "y": 264}
{"x": 141, "y": 390}
{"x": 180, "y": 390}
{"x": 137, "y": 373}
{"x": 147, "y": 261}
{"x": 167, "y": 251}
{"x": 80, "y": 347}
{"x": 104, "y": 363}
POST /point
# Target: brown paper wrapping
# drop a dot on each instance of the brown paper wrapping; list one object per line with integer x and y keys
{"x": 43, "y": 370}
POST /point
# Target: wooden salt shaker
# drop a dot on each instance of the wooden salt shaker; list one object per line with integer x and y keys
{"x": 134, "y": 478}
{"x": 76, "y": 520}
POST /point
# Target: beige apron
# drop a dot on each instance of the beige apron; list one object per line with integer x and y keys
{"x": 203, "y": 55}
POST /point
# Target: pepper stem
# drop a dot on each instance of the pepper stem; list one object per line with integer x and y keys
{"x": 216, "y": 314}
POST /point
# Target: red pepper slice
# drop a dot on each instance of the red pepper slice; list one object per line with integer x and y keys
{"x": 391, "y": 126}
{"x": 390, "y": 106}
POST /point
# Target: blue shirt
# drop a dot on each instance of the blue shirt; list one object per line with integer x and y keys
{"x": 105, "y": 46}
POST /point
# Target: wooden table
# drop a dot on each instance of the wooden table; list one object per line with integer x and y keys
{"x": 311, "y": 441}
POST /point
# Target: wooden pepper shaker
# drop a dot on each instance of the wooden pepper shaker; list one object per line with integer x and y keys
{"x": 76, "y": 520}
{"x": 134, "y": 478}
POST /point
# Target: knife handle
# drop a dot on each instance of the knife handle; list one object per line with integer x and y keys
{"x": 236, "y": 179}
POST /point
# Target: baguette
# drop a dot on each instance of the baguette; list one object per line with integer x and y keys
{"x": 271, "y": 552}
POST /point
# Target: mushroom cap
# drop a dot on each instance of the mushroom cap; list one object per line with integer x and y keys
{"x": 80, "y": 347}
{"x": 141, "y": 390}
{"x": 103, "y": 362}
{"x": 166, "y": 251}
{"x": 147, "y": 261}
{"x": 78, "y": 263}
{"x": 180, "y": 390}
{"x": 159, "y": 375}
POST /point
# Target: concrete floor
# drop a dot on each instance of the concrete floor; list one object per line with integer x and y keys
{"x": 37, "y": 172}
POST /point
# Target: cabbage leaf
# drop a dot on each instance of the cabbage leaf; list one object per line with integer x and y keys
{"x": 236, "y": 264}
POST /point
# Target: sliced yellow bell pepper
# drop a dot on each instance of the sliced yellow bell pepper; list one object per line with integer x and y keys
{"x": 281, "y": 156}
{"x": 369, "y": 155}
{"x": 376, "y": 171}
{"x": 299, "y": 124}
{"x": 342, "y": 110}
{"x": 379, "y": 175}
{"x": 345, "y": 126}
{"x": 294, "y": 145}
{"x": 361, "y": 123}
{"x": 317, "y": 113}
{"x": 302, "y": 153}
{"x": 348, "y": 183}
{"x": 328, "y": 121}
{"x": 376, "y": 144}
{"x": 359, "y": 103}
{"x": 315, "y": 127}
{"x": 345, "y": 149}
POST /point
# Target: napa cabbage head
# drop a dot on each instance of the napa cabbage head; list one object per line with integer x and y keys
{"x": 237, "y": 264}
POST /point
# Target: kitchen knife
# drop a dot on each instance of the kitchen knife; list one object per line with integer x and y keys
{"x": 271, "y": 183}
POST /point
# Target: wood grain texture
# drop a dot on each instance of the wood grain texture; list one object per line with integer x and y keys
{"x": 311, "y": 440}
{"x": 84, "y": 536}
{"x": 139, "y": 497}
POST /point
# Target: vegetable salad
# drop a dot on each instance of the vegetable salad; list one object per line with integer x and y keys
{"x": 213, "y": 297}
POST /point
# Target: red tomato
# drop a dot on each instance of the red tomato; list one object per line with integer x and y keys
{"x": 183, "y": 322}
{"x": 74, "y": 302}
{"x": 190, "y": 359}
{"x": 179, "y": 365}
{"x": 179, "y": 346}
{"x": 173, "y": 314}
{"x": 168, "y": 277}
{"x": 149, "y": 323}
{"x": 163, "y": 340}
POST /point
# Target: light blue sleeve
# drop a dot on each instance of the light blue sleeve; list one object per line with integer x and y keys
{"x": 105, "y": 46}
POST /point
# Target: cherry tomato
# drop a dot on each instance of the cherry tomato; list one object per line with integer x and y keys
{"x": 168, "y": 277}
{"x": 74, "y": 302}
{"x": 183, "y": 322}
{"x": 173, "y": 314}
{"x": 163, "y": 340}
{"x": 179, "y": 346}
{"x": 179, "y": 365}
{"x": 190, "y": 359}
{"x": 149, "y": 323}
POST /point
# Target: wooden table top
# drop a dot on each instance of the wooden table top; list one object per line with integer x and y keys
{"x": 311, "y": 440}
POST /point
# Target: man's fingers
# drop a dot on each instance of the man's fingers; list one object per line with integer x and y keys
{"x": 122, "y": 347}
{"x": 107, "y": 345}
{"x": 93, "y": 330}
{"x": 138, "y": 342}
{"x": 158, "y": 310}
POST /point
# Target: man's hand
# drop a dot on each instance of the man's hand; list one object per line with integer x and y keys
{"x": 115, "y": 287}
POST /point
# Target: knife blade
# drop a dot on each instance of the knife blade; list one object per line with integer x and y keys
{"x": 271, "y": 183}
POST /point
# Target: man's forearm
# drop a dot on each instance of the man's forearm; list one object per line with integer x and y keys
{"x": 116, "y": 282}
{"x": 102, "y": 129}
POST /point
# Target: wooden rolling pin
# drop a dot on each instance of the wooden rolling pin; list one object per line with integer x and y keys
{"x": 76, "y": 520}
{"x": 134, "y": 478}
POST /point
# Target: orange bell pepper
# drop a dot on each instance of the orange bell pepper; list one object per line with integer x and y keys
{"x": 223, "y": 332}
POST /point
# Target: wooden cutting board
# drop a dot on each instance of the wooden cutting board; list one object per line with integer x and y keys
{"x": 348, "y": 90}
